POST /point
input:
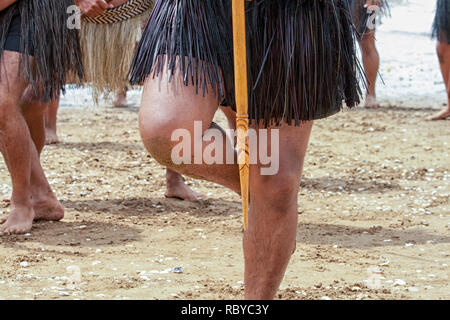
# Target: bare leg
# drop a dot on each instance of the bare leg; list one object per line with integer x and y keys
{"x": 16, "y": 145}
{"x": 270, "y": 240}
{"x": 34, "y": 112}
{"x": 175, "y": 185}
{"x": 121, "y": 99}
{"x": 51, "y": 135}
{"x": 443, "y": 51}
{"x": 168, "y": 106}
{"x": 371, "y": 62}
{"x": 45, "y": 203}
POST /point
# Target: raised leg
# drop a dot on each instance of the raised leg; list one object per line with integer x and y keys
{"x": 170, "y": 106}
{"x": 175, "y": 185}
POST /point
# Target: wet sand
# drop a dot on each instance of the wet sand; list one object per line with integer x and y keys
{"x": 374, "y": 215}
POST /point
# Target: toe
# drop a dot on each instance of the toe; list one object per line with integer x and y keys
{"x": 5, "y": 231}
{"x": 198, "y": 197}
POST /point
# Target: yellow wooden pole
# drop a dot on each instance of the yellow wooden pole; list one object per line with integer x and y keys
{"x": 241, "y": 90}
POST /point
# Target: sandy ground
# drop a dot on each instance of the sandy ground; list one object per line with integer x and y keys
{"x": 374, "y": 215}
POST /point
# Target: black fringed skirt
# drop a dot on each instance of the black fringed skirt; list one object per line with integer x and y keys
{"x": 362, "y": 18}
{"x": 40, "y": 29}
{"x": 441, "y": 25}
{"x": 302, "y": 63}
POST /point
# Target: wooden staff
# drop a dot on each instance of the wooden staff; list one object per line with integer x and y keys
{"x": 241, "y": 90}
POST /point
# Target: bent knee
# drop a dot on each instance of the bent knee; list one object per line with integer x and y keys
{"x": 156, "y": 135}
{"x": 155, "y": 119}
{"x": 159, "y": 148}
{"x": 279, "y": 191}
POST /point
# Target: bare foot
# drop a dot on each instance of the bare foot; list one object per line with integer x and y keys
{"x": 48, "y": 208}
{"x": 371, "y": 102}
{"x": 183, "y": 192}
{"x": 178, "y": 189}
{"x": 51, "y": 137}
{"x": 121, "y": 100}
{"x": 19, "y": 221}
{"x": 444, "y": 114}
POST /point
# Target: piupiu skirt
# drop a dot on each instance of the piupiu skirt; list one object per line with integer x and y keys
{"x": 108, "y": 43}
{"x": 301, "y": 55}
{"x": 40, "y": 29}
{"x": 362, "y": 17}
{"x": 441, "y": 24}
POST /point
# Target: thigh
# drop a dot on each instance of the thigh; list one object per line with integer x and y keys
{"x": 12, "y": 80}
{"x": 168, "y": 103}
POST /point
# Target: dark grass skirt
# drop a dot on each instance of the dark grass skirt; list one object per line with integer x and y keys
{"x": 361, "y": 16}
{"x": 45, "y": 35}
{"x": 301, "y": 54}
{"x": 441, "y": 25}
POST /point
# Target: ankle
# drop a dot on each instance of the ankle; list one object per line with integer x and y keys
{"x": 173, "y": 178}
{"x": 42, "y": 194}
{"x": 21, "y": 202}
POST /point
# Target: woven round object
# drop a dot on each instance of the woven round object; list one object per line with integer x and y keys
{"x": 126, "y": 11}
